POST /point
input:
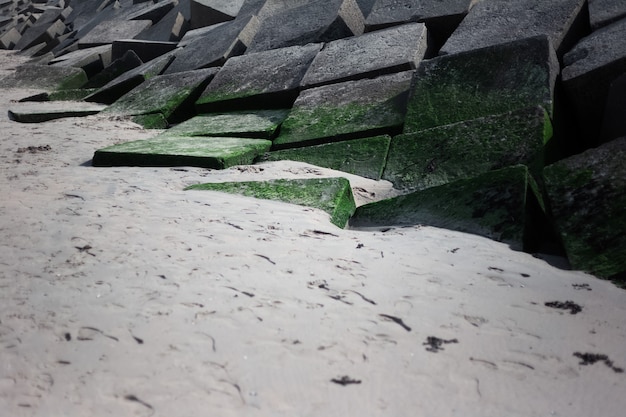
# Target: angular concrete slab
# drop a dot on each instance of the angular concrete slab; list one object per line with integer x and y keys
{"x": 118, "y": 67}
{"x": 386, "y": 13}
{"x": 112, "y": 30}
{"x": 590, "y": 67}
{"x": 44, "y": 29}
{"x": 121, "y": 85}
{"x": 259, "y": 80}
{"x": 364, "y": 157}
{"x": 209, "y": 12}
{"x": 587, "y": 196}
{"x": 314, "y": 21}
{"x": 346, "y": 111}
{"x": 443, "y": 154}
{"x": 172, "y": 27}
{"x": 333, "y": 195}
{"x": 214, "y": 48}
{"x": 396, "y": 49}
{"x": 92, "y": 60}
{"x": 495, "y": 204}
{"x": 486, "y": 81}
{"x": 261, "y": 124}
{"x": 44, "y": 77}
{"x": 495, "y": 22}
{"x": 155, "y": 12}
{"x": 44, "y": 111}
{"x": 163, "y": 94}
{"x": 198, "y": 151}
{"x": 604, "y": 12}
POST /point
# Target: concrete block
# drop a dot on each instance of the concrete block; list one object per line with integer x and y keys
{"x": 198, "y": 151}
{"x": 364, "y": 157}
{"x": 155, "y": 12}
{"x": 395, "y": 49}
{"x": 210, "y": 12}
{"x": 145, "y": 50}
{"x": 194, "y": 34}
{"x": 268, "y": 79}
{"x": 498, "y": 21}
{"x": 45, "y": 111}
{"x": 587, "y": 196}
{"x": 163, "y": 94}
{"x": 111, "y": 30}
{"x": 315, "y": 21}
{"x": 386, "y": 13}
{"x": 172, "y": 27}
{"x": 590, "y": 67}
{"x": 91, "y": 60}
{"x": 486, "y": 81}
{"x": 45, "y": 77}
{"x": 443, "y": 154}
{"x": 332, "y": 195}
{"x": 118, "y": 67}
{"x": 604, "y": 12}
{"x": 10, "y": 38}
{"x": 346, "y": 110}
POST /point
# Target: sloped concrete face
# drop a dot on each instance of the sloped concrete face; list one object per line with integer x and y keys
{"x": 605, "y": 12}
{"x": 587, "y": 201}
{"x": 107, "y": 32}
{"x": 42, "y": 112}
{"x": 209, "y": 12}
{"x": 45, "y": 77}
{"x": 391, "y": 12}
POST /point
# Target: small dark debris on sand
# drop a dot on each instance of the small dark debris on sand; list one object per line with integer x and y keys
{"x": 591, "y": 358}
{"x": 567, "y": 305}
{"x": 34, "y": 149}
{"x": 435, "y": 344}
{"x": 345, "y": 380}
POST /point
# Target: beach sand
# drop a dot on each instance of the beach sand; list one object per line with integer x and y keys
{"x": 121, "y": 294}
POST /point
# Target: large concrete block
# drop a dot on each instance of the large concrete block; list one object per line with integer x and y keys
{"x": 486, "y": 81}
{"x": 346, "y": 110}
{"x": 210, "y": 12}
{"x": 587, "y": 199}
{"x": 443, "y": 154}
{"x": 111, "y": 30}
{"x": 268, "y": 79}
{"x": 395, "y": 49}
{"x": 315, "y": 21}
{"x": 493, "y": 22}
{"x": 590, "y": 67}
{"x": 43, "y": 29}
{"x": 10, "y": 38}
{"x": 155, "y": 12}
{"x": 45, "y": 77}
{"x": 604, "y": 12}
{"x": 125, "y": 63}
{"x": 91, "y": 60}
{"x": 172, "y": 27}
{"x": 45, "y": 111}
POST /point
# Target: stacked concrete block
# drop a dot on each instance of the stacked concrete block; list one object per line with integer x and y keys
{"x": 209, "y": 12}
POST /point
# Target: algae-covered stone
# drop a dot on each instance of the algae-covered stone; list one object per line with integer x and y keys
{"x": 261, "y": 124}
{"x": 151, "y": 121}
{"x": 447, "y": 153}
{"x": 364, "y": 157}
{"x": 206, "y": 152}
{"x": 486, "y": 81}
{"x": 493, "y": 204}
{"x": 163, "y": 94}
{"x": 346, "y": 110}
{"x": 45, "y": 77}
{"x": 587, "y": 199}
{"x": 333, "y": 195}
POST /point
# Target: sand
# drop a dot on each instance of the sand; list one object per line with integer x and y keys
{"x": 121, "y": 294}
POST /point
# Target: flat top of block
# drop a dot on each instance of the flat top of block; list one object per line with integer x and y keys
{"x": 257, "y": 123}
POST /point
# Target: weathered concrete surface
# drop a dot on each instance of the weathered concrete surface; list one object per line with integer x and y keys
{"x": 119, "y": 66}
{"x": 364, "y": 157}
{"x": 486, "y": 81}
{"x": 261, "y": 124}
{"x": 392, "y": 50}
{"x": 163, "y": 94}
{"x": 260, "y": 80}
{"x": 198, "y": 151}
{"x": 46, "y": 27}
{"x": 494, "y": 204}
{"x": 155, "y": 12}
{"x": 493, "y": 22}
{"x": 112, "y": 30}
{"x": 346, "y": 110}
{"x": 172, "y": 27}
{"x": 614, "y": 121}
{"x": 130, "y": 79}
{"x": 587, "y": 199}
{"x": 91, "y": 60}
{"x": 214, "y": 48}
{"x": 42, "y": 112}
{"x": 45, "y": 77}
{"x": 314, "y": 21}
{"x": 604, "y": 12}
{"x": 590, "y": 67}
{"x": 443, "y": 154}
{"x": 210, "y": 12}
{"x": 333, "y": 195}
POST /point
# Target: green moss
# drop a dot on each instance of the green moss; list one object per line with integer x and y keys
{"x": 333, "y": 195}
{"x": 151, "y": 121}
{"x": 74, "y": 81}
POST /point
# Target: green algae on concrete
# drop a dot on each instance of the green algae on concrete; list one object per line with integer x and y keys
{"x": 494, "y": 204}
{"x": 447, "y": 153}
{"x": 586, "y": 195}
{"x": 261, "y": 124}
{"x": 333, "y": 195}
{"x": 491, "y": 80}
{"x": 198, "y": 151}
{"x": 346, "y": 110}
{"x": 151, "y": 121}
{"x": 45, "y": 77}
{"x": 364, "y": 157}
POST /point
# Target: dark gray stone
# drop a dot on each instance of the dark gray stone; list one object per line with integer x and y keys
{"x": 194, "y": 34}
{"x": 346, "y": 110}
{"x": 121, "y": 65}
{"x": 614, "y": 122}
{"x": 172, "y": 27}
{"x": 392, "y": 12}
{"x": 587, "y": 196}
{"x": 91, "y": 60}
{"x": 395, "y": 49}
{"x": 604, "y": 12}
{"x": 9, "y": 39}
{"x": 49, "y": 25}
{"x": 145, "y": 50}
{"x": 112, "y": 30}
{"x": 210, "y": 12}
{"x": 315, "y": 21}
{"x": 155, "y": 12}
{"x": 590, "y": 67}
{"x": 268, "y": 79}
{"x": 493, "y": 22}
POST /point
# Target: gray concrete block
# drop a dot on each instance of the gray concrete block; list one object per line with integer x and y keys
{"x": 386, "y": 13}
{"x": 118, "y": 67}
{"x": 590, "y": 67}
{"x": 210, "y": 12}
{"x": 111, "y": 30}
{"x": 603, "y": 12}
{"x": 155, "y": 12}
{"x": 92, "y": 60}
{"x": 395, "y": 49}
{"x": 268, "y": 79}
{"x": 45, "y": 77}
{"x": 194, "y": 34}
{"x": 494, "y": 22}
{"x": 45, "y": 111}
{"x": 145, "y": 50}
{"x": 347, "y": 110}
{"x": 172, "y": 27}
{"x": 10, "y": 38}
{"x": 316, "y": 21}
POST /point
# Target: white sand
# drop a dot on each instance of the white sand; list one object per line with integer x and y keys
{"x": 121, "y": 294}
